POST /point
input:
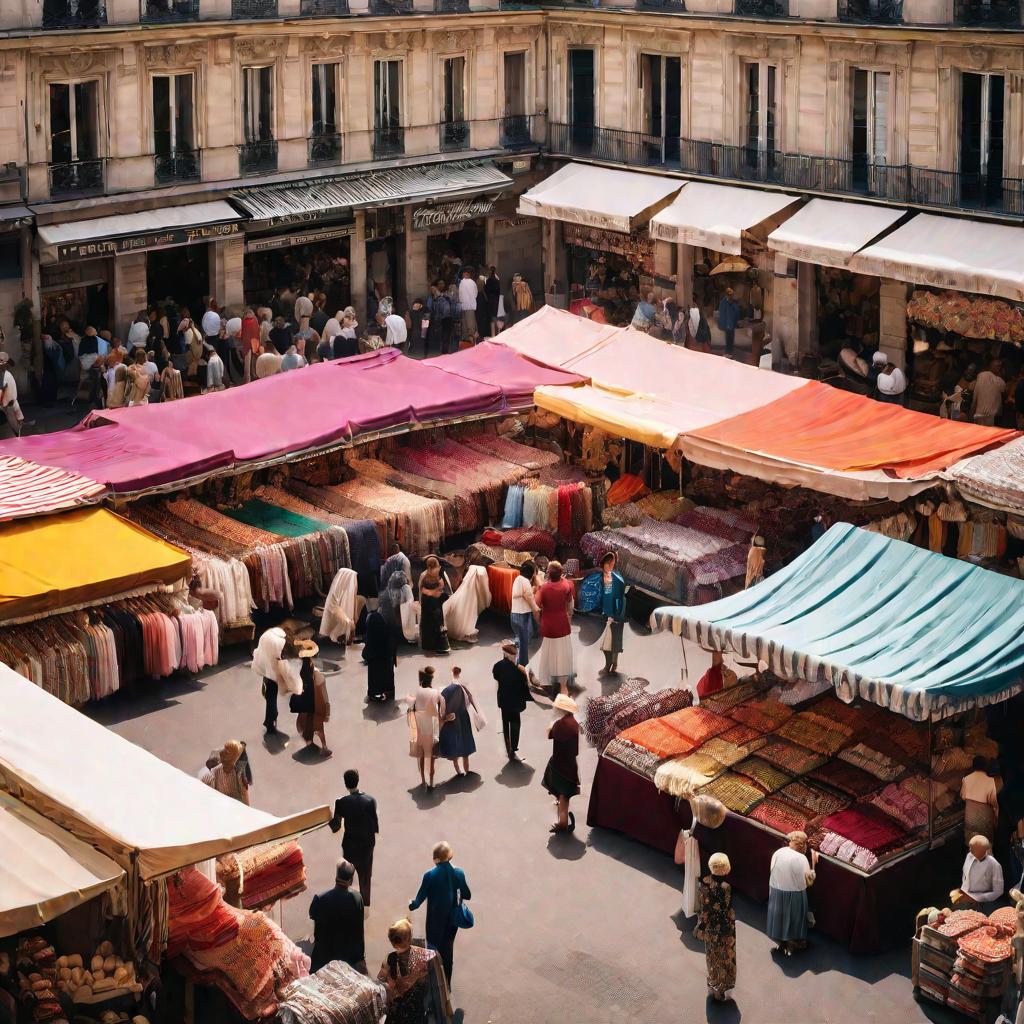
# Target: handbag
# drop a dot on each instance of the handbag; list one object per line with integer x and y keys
{"x": 462, "y": 916}
{"x": 479, "y": 720}
{"x": 501, "y": 308}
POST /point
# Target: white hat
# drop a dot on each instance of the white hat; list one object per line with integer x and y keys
{"x": 563, "y": 702}
{"x": 880, "y": 358}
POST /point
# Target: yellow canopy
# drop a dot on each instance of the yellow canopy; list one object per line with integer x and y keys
{"x": 77, "y": 558}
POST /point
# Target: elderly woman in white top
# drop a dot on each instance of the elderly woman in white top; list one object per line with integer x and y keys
{"x": 790, "y": 876}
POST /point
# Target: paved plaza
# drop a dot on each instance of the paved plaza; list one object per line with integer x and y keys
{"x": 584, "y": 928}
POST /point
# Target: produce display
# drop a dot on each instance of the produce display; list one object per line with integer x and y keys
{"x": 104, "y": 976}
{"x": 957, "y": 313}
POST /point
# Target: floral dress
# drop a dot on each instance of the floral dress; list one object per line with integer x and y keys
{"x": 716, "y": 925}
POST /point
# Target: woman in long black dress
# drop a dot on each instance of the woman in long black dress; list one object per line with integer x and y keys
{"x": 562, "y": 775}
{"x": 433, "y": 594}
{"x": 380, "y": 655}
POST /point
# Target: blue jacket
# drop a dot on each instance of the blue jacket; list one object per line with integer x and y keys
{"x": 592, "y": 596}
{"x": 441, "y": 887}
{"x": 728, "y": 314}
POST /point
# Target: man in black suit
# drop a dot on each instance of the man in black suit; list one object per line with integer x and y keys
{"x": 513, "y": 696}
{"x": 359, "y": 813}
{"x": 337, "y": 917}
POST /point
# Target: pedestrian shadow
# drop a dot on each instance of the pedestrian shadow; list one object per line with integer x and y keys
{"x": 463, "y": 783}
{"x": 276, "y": 743}
{"x": 424, "y": 799}
{"x": 565, "y": 846}
{"x": 309, "y": 755}
{"x": 686, "y": 926}
{"x": 723, "y": 1013}
{"x": 515, "y": 775}
{"x": 380, "y": 713}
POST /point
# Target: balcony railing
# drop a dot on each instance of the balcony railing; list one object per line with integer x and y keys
{"x": 245, "y": 10}
{"x": 183, "y": 165}
{"x": 451, "y": 6}
{"x": 871, "y": 12}
{"x": 163, "y": 11}
{"x": 672, "y": 6}
{"x": 386, "y": 7}
{"x": 998, "y": 13}
{"x": 637, "y": 149}
{"x": 763, "y": 8}
{"x": 453, "y": 135}
{"x": 76, "y": 178}
{"x": 323, "y": 8}
{"x": 257, "y": 157}
{"x": 324, "y": 149}
{"x": 388, "y": 142}
{"x": 516, "y": 130}
{"x": 74, "y": 13}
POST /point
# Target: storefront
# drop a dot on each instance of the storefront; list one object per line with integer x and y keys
{"x": 78, "y": 292}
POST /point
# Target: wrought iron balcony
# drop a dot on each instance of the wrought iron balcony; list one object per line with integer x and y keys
{"x": 323, "y": 8}
{"x": 453, "y": 135}
{"x": 871, "y": 12}
{"x": 451, "y": 6}
{"x": 246, "y": 10}
{"x": 257, "y": 157}
{"x": 76, "y": 178}
{"x": 636, "y": 149}
{"x": 183, "y": 165}
{"x": 669, "y": 6}
{"x": 162, "y": 11}
{"x": 763, "y": 8}
{"x": 388, "y": 142}
{"x": 74, "y": 13}
{"x": 324, "y": 149}
{"x": 997, "y": 13}
{"x": 516, "y": 130}
{"x": 386, "y": 7}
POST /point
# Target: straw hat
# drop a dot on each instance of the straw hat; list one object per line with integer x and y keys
{"x": 306, "y": 648}
{"x": 563, "y": 702}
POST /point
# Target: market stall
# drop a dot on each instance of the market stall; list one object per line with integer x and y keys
{"x": 908, "y": 641}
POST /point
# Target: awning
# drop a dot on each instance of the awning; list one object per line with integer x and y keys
{"x": 9, "y": 214}
{"x": 373, "y": 188}
{"x": 947, "y": 252}
{"x": 995, "y": 478}
{"x": 30, "y": 489}
{"x": 905, "y": 628}
{"x": 599, "y": 197}
{"x": 554, "y": 337}
{"x": 80, "y": 557}
{"x": 45, "y": 871}
{"x": 717, "y": 216}
{"x": 135, "y": 808}
{"x": 829, "y": 233}
{"x": 498, "y": 366}
{"x": 130, "y": 232}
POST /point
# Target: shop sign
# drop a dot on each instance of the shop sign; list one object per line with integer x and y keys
{"x": 136, "y": 243}
{"x": 309, "y": 217}
{"x": 515, "y": 222}
{"x": 424, "y": 218}
{"x": 303, "y": 238}
{"x": 521, "y": 166}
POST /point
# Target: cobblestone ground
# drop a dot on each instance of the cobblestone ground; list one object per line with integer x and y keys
{"x": 586, "y": 928}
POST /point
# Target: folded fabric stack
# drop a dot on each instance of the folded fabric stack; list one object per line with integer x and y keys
{"x": 657, "y": 736}
{"x": 242, "y": 952}
{"x": 866, "y": 826}
{"x": 646, "y": 705}
{"x": 816, "y": 732}
{"x": 599, "y": 709}
{"x": 722, "y": 701}
{"x": 726, "y": 752}
{"x": 264, "y": 874}
{"x": 910, "y": 738}
{"x": 528, "y": 538}
{"x": 415, "y": 522}
{"x": 902, "y": 805}
{"x": 633, "y": 756}
{"x": 982, "y": 968}
{"x": 628, "y": 487}
{"x": 627, "y": 514}
{"x": 511, "y": 451}
{"x": 812, "y": 799}
{"x": 697, "y": 724}
{"x": 873, "y": 761}
{"x": 844, "y": 849}
{"x": 735, "y": 792}
{"x": 765, "y": 776}
{"x": 780, "y": 815}
{"x": 794, "y": 759}
{"x": 336, "y": 994}
{"x": 860, "y": 717}
{"x": 846, "y": 778}
{"x": 664, "y": 505}
{"x": 763, "y": 715}
{"x": 746, "y": 737}
{"x": 718, "y": 522}
{"x": 681, "y": 776}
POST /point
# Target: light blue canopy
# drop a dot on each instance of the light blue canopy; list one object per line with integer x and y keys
{"x": 913, "y": 631}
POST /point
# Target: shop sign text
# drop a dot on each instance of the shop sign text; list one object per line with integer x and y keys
{"x": 424, "y": 218}
{"x": 135, "y": 243}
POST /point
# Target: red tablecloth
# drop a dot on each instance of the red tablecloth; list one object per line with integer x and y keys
{"x": 866, "y": 913}
{"x": 499, "y": 579}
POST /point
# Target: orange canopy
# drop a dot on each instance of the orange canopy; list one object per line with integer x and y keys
{"x": 817, "y": 425}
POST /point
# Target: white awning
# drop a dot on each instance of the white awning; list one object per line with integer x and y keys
{"x": 130, "y": 232}
{"x": 44, "y": 871}
{"x": 140, "y": 811}
{"x": 947, "y": 252}
{"x": 716, "y": 216}
{"x": 829, "y": 233}
{"x": 599, "y": 197}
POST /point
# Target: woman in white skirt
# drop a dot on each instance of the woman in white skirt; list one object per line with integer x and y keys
{"x": 556, "y": 665}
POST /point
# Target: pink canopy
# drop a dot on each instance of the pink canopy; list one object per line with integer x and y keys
{"x": 554, "y": 337}
{"x": 488, "y": 363}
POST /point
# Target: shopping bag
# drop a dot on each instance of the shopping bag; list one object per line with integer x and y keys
{"x": 501, "y": 308}
{"x": 479, "y": 719}
{"x": 605, "y": 641}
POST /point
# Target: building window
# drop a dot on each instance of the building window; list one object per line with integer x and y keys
{"x": 982, "y": 100}
{"x": 387, "y": 108}
{"x": 454, "y": 127}
{"x": 515, "y": 84}
{"x": 325, "y": 138}
{"x": 869, "y": 126}
{"x": 258, "y": 104}
{"x": 74, "y": 116}
{"x": 174, "y": 135}
{"x": 761, "y": 114}
{"x": 581, "y": 99}
{"x": 661, "y": 101}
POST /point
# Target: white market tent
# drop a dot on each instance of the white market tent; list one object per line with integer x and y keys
{"x": 140, "y": 811}
{"x": 44, "y": 870}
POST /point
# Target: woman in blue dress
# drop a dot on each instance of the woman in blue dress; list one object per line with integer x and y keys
{"x": 456, "y": 738}
{"x": 605, "y": 592}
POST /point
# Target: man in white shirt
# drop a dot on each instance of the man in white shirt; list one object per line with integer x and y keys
{"x": 397, "y": 333}
{"x": 272, "y": 661}
{"x": 468, "y": 292}
{"x": 9, "y": 395}
{"x": 982, "y": 879}
{"x": 138, "y": 333}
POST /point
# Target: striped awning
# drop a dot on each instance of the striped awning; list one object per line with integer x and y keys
{"x": 373, "y": 188}
{"x": 28, "y": 489}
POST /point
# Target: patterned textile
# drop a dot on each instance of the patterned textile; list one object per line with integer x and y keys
{"x": 659, "y": 738}
{"x": 716, "y": 925}
{"x": 865, "y": 825}
{"x": 993, "y": 478}
{"x": 681, "y": 776}
{"x": 336, "y": 994}
{"x": 722, "y": 701}
{"x": 873, "y": 761}
{"x": 764, "y": 775}
{"x": 781, "y": 816}
{"x": 628, "y": 514}
{"x": 629, "y": 755}
{"x": 29, "y": 489}
{"x": 664, "y": 505}
{"x": 697, "y": 724}
{"x": 645, "y": 706}
{"x": 726, "y": 753}
{"x": 910, "y": 737}
{"x": 418, "y": 523}
{"x": 794, "y": 759}
{"x": 901, "y": 805}
{"x": 264, "y": 874}
{"x": 857, "y": 717}
{"x": 846, "y": 778}
{"x": 815, "y": 732}
{"x": 735, "y": 792}
{"x": 274, "y": 519}
{"x": 743, "y": 736}
{"x": 764, "y": 715}
{"x": 732, "y": 526}
{"x": 814, "y": 800}
{"x": 628, "y": 487}
{"x": 511, "y": 451}
{"x": 960, "y": 923}
{"x": 599, "y": 709}
{"x": 847, "y": 850}
{"x": 529, "y": 538}
{"x": 327, "y": 498}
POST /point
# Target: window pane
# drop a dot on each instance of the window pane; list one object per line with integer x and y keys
{"x": 769, "y": 143}
{"x": 753, "y": 105}
{"x": 317, "y": 90}
{"x": 161, "y": 115}
{"x": 515, "y": 84}
{"x": 60, "y": 123}
{"x": 184, "y": 113}
{"x": 266, "y": 95}
{"x": 85, "y": 120}
{"x": 880, "y": 128}
{"x": 331, "y": 98}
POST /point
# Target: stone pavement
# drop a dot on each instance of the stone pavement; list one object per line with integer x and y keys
{"x": 568, "y": 929}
